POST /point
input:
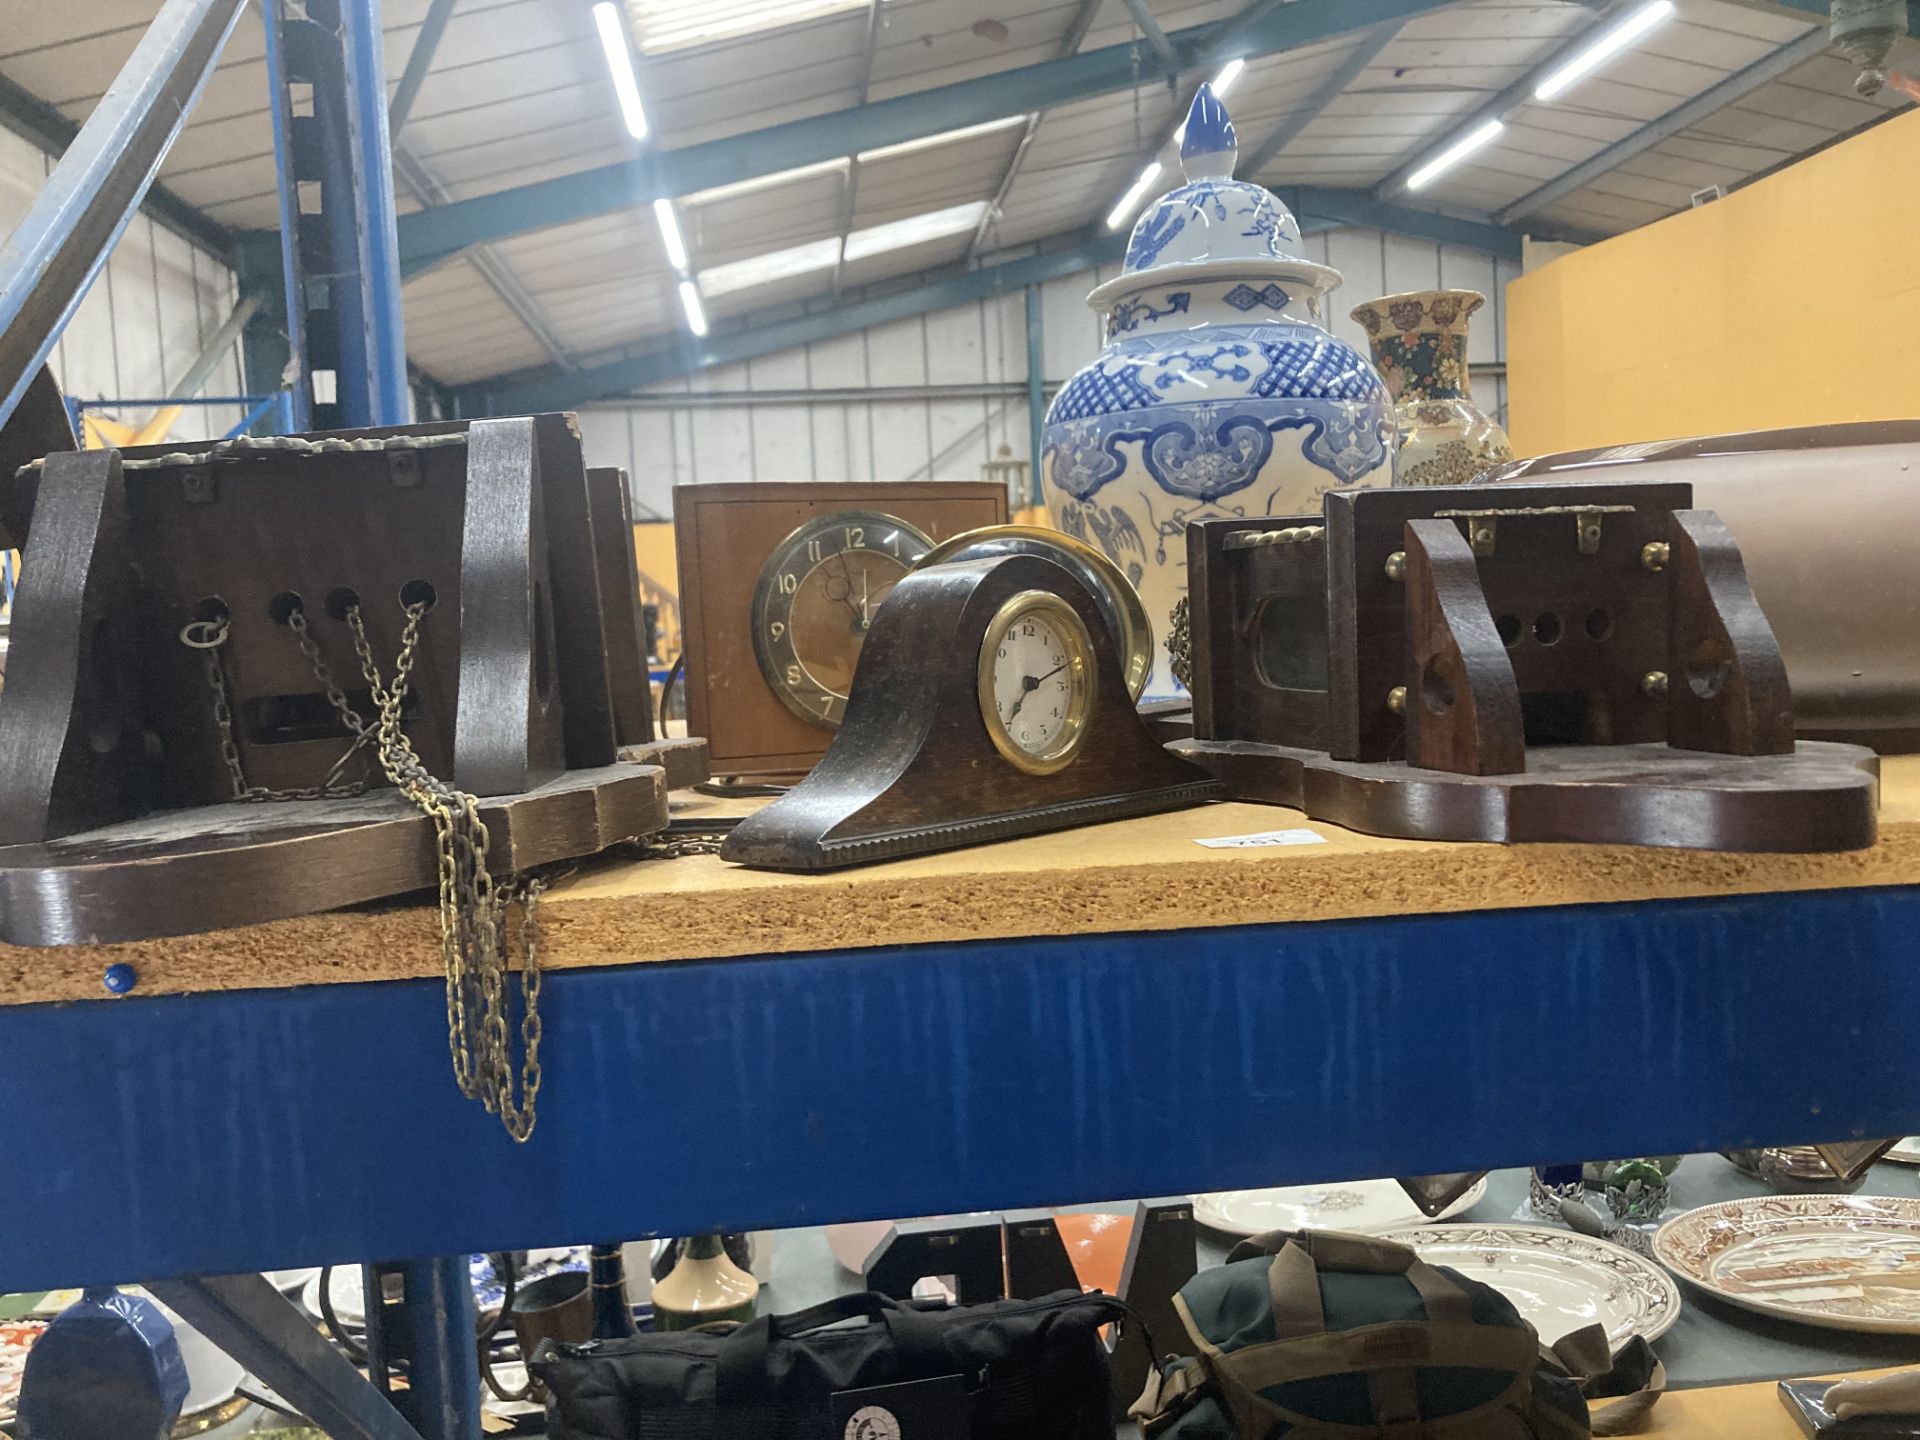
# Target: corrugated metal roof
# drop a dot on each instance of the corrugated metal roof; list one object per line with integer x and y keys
{"x": 518, "y": 92}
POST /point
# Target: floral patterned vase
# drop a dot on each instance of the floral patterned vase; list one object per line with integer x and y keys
{"x": 1419, "y": 342}
{"x": 1219, "y": 392}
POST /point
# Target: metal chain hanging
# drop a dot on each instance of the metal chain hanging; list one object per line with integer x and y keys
{"x": 208, "y": 637}
{"x": 474, "y": 942}
{"x": 473, "y": 910}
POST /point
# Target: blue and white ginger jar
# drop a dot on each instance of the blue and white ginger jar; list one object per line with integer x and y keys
{"x": 1219, "y": 391}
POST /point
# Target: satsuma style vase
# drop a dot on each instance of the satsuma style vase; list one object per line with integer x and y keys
{"x": 1219, "y": 392}
{"x": 1419, "y": 342}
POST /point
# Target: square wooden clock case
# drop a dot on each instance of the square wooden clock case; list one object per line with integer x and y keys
{"x": 723, "y": 537}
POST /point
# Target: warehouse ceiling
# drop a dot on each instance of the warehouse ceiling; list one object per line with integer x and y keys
{"x": 518, "y": 92}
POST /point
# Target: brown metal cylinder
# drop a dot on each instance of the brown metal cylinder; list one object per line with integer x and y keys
{"x": 1826, "y": 517}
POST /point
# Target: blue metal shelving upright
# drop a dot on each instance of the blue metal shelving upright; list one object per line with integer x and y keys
{"x": 339, "y": 258}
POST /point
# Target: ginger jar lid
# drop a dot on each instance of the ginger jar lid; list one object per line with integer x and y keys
{"x": 1214, "y": 226}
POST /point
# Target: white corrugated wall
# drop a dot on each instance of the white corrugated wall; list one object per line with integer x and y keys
{"x": 805, "y": 421}
{"x": 147, "y": 316}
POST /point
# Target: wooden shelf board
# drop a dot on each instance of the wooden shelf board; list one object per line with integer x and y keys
{"x": 1132, "y": 875}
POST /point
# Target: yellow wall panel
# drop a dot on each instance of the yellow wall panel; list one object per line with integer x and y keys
{"x": 1795, "y": 301}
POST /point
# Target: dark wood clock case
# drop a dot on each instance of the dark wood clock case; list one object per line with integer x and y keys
{"x": 913, "y": 769}
{"x": 1555, "y": 662}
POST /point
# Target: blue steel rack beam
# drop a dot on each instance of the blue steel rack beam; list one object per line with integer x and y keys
{"x": 1290, "y": 127}
{"x": 1741, "y": 83}
{"x": 553, "y": 388}
{"x": 58, "y": 249}
{"x": 419, "y": 62}
{"x": 560, "y": 390}
{"x": 264, "y": 1129}
{"x": 246, "y": 1317}
{"x": 430, "y": 236}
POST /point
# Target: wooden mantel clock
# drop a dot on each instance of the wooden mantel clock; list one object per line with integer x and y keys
{"x": 779, "y": 584}
{"x": 990, "y": 702}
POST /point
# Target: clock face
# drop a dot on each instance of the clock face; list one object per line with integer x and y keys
{"x": 1036, "y": 681}
{"x": 814, "y": 603}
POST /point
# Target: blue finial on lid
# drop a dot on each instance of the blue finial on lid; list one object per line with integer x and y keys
{"x": 1209, "y": 148}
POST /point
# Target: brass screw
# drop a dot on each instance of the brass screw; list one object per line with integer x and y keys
{"x": 1397, "y": 565}
{"x": 1653, "y": 684}
{"x": 1654, "y": 556}
{"x": 1397, "y": 699}
{"x": 1483, "y": 536}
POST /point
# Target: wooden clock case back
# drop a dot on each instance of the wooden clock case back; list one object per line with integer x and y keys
{"x": 722, "y": 536}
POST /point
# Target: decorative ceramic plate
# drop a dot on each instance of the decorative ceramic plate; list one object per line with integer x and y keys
{"x": 1363, "y": 1207}
{"x": 1906, "y": 1152}
{"x": 1558, "y": 1280}
{"x": 16, "y": 1338}
{"x": 1843, "y": 1262}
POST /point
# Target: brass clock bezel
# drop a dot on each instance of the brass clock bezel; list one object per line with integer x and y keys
{"x": 778, "y": 561}
{"x": 1080, "y": 671}
{"x": 1134, "y": 638}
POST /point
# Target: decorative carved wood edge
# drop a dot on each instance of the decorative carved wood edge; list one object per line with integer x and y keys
{"x": 70, "y": 712}
{"x": 1822, "y": 797}
{"x": 218, "y": 866}
{"x": 833, "y": 854}
{"x": 1463, "y": 704}
{"x": 684, "y": 760}
{"x": 1727, "y": 688}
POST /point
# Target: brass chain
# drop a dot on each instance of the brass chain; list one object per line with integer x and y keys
{"x": 474, "y": 946}
{"x": 208, "y": 637}
{"x": 473, "y": 911}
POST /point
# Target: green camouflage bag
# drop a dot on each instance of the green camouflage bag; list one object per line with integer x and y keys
{"x": 1326, "y": 1336}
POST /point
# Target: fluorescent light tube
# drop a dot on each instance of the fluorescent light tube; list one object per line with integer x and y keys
{"x": 927, "y": 142}
{"x": 766, "y": 182}
{"x": 670, "y": 236}
{"x": 1131, "y": 200}
{"x": 1616, "y": 39}
{"x": 613, "y": 39}
{"x": 1455, "y": 153}
{"x": 914, "y": 230}
{"x": 775, "y": 265}
{"x": 690, "y": 302}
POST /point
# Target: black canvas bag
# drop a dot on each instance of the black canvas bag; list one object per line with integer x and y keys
{"x": 1005, "y": 1370}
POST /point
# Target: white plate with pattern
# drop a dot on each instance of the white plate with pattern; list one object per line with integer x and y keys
{"x": 1559, "y": 1281}
{"x": 1361, "y": 1207}
{"x": 1842, "y": 1262}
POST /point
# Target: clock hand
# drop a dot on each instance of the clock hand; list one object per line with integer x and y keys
{"x": 845, "y": 597}
{"x": 1031, "y": 683}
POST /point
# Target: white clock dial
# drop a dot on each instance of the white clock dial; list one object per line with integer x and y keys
{"x": 1032, "y": 688}
{"x": 1036, "y": 681}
